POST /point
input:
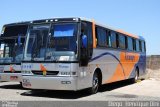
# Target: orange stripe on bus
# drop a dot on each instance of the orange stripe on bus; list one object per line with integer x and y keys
{"x": 126, "y": 33}
{"x": 94, "y": 34}
{"x": 117, "y": 76}
{"x": 128, "y": 66}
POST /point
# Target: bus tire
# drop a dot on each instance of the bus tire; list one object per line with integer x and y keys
{"x": 21, "y": 84}
{"x": 95, "y": 84}
{"x": 136, "y": 78}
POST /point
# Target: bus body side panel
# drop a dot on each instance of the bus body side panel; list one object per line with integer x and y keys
{"x": 107, "y": 61}
{"x": 141, "y": 65}
{"x": 116, "y": 65}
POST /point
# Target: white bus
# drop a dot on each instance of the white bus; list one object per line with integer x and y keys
{"x": 75, "y": 53}
{"x": 12, "y": 41}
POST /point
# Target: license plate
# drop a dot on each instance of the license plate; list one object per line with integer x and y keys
{"x": 13, "y": 77}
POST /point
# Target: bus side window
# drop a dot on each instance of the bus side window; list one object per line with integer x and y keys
{"x": 137, "y": 45}
{"x": 90, "y": 39}
{"x": 113, "y": 40}
{"x": 87, "y": 31}
{"x": 130, "y": 44}
{"x": 122, "y": 41}
{"x": 140, "y": 46}
{"x": 108, "y": 39}
{"x": 117, "y": 41}
{"x": 126, "y": 43}
{"x": 134, "y": 44}
{"x": 101, "y": 36}
{"x": 143, "y": 46}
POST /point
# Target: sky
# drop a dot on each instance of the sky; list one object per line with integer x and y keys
{"x": 140, "y": 17}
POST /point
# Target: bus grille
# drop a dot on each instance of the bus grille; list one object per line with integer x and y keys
{"x": 48, "y": 72}
{"x": 12, "y": 72}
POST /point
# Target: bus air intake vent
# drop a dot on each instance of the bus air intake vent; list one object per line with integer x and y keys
{"x": 36, "y": 72}
{"x": 12, "y": 72}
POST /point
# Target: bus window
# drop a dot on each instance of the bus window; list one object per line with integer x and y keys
{"x": 121, "y": 41}
{"x": 36, "y": 42}
{"x": 1, "y": 50}
{"x": 117, "y": 41}
{"x": 88, "y": 33}
{"x": 113, "y": 40}
{"x": 126, "y": 43}
{"x": 101, "y": 36}
{"x": 130, "y": 44}
{"x": 109, "y": 39}
{"x": 140, "y": 46}
{"x": 86, "y": 50}
{"x": 137, "y": 45}
{"x": 134, "y": 44}
{"x": 90, "y": 39}
{"x": 143, "y": 46}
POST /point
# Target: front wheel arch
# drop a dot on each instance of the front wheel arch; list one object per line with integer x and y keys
{"x": 96, "y": 75}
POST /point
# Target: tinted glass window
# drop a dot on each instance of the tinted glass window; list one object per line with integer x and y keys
{"x": 126, "y": 43}
{"x": 101, "y": 36}
{"x": 143, "y": 46}
{"x": 113, "y": 40}
{"x": 63, "y": 37}
{"x": 109, "y": 39}
{"x": 122, "y": 41}
{"x": 134, "y": 44}
{"x": 140, "y": 45}
{"x": 64, "y": 30}
{"x": 130, "y": 44}
{"x": 137, "y": 45}
{"x": 90, "y": 38}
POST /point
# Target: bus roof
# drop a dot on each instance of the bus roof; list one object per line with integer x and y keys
{"x": 113, "y": 29}
{"x": 10, "y": 31}
{"x": 76, "y": 19}
{"x": 17, "y": 23}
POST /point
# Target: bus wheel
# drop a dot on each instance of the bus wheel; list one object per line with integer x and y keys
{"x": 95, "y": 84}
{"x": 21, "y": 84}
{"x": 136, "y": 76}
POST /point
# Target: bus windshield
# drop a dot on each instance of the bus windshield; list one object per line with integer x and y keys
{"x": 12, "y": 42}
{"x": 44, "y": 42}
{"x": 11, "y": 50}
{"x": 36, "y": 41}
{"x": 63, "y": 38}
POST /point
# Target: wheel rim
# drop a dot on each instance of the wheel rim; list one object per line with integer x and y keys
{"x": 95, "y": 84}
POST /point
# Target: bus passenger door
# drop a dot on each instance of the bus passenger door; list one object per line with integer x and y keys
{"x": 86, "y": 43}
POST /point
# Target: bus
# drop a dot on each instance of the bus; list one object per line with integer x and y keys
{"x": 77, "y": 53}
{"x": 12, "y": 41}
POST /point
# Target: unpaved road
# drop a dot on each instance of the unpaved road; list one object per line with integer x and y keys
{"x": 145, "y": 90}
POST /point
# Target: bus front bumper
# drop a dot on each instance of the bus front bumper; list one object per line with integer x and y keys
{"x": 50, "y": 83}
{"x": 14, "y": 77}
